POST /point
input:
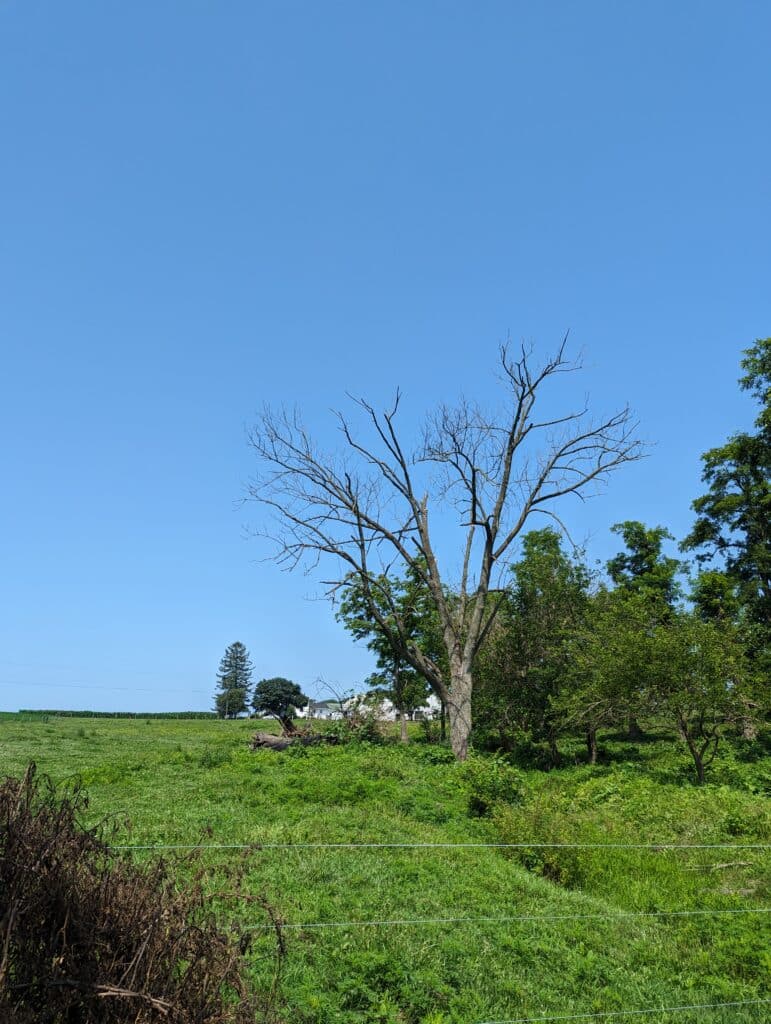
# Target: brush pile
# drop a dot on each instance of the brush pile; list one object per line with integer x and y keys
{"x": 89, "y": 937}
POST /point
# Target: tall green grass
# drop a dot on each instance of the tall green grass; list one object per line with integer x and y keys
{"x": 184, "y": 781}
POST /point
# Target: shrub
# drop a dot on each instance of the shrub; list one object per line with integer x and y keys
{"x": 490, "y": 781}
{"x": 88, "y": 937}
{"x": 434, "y": 754}
{"x": 360, "y": 723}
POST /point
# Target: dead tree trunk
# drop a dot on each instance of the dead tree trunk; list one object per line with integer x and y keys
{"x": 459, "y": 709}
{"x": 270, "y": 742}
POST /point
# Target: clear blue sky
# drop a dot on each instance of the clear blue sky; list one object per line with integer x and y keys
{"x": 205, "y": 206}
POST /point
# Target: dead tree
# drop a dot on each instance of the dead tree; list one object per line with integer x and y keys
{"x": 370, "y": 506}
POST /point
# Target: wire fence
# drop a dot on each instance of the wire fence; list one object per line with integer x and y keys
{"x": 502, "y": 920}
{"x": 417, "y": 921}
{"x": 259, "y": 845}
{"x": 493, "y": 921}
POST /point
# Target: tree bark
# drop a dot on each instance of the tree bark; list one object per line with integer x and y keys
{"x": 262, "y": 739}
{"x": 696, "y": 753}
{"x": 634, "y": 730}
{"x": 554, "y": 752}
{"x": 459, "y": 711}
{"x": 403, "y": 737}
{"x": 749, "y": 728}
{"x": 287, "y": 725}
{"x": 591, "y": 745}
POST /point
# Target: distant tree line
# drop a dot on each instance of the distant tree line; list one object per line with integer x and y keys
{"x": 115, "y": 714}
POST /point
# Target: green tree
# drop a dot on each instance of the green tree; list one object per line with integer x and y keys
{"x": 714, "y": 596}
{"x": 281, "y": 699}
{"x": 233, "y": 682}
{"x": 733, "y": 516}
{"x": 697, "y": 680}
{"x": 733, "y": 526}
{"x": 231, "y": 703}
{"x": 606, "y": 679}
{"x": 643, "y": 568}
{"x": 644, "y": 571}
{"x": 525, "y": 662}
{"x": 682, "y": 668}
{"x": 408, "y": 600}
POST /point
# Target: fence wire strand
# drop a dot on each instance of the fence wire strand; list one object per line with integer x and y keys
{"x": 630, "y": 1013}
{"x": 621, "y": 915}
{"x": 257, "y": 846}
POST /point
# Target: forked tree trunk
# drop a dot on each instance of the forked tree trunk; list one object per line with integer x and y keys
{"x": 697, "y": 751}
{"x": 287, "y": 725}
{"x": 404, "y": 738}
{"x": 698, "y": 760}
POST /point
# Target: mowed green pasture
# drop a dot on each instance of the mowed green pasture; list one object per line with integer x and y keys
{"x": 569, "y": 952}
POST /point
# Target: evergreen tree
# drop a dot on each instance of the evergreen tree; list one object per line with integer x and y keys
{"x": 733, "y": 523}
{"x": 233, "y": 681}
{"x": 643, "y": 568}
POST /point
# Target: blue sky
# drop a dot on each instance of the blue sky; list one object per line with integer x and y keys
{"x": 205, "y": 206}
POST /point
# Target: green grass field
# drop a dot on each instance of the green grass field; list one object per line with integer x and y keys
{"x": 181, "y": 782}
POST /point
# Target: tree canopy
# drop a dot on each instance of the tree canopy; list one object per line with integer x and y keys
{"x": 733, "y": 516}
{"x": 394, "y": 678}
{"x": 643, "y": 568}
{"x": 280, "y": 698}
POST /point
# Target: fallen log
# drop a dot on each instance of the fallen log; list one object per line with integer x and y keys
{"x": 265, "y": 739}
{"x": 268, "y": 741}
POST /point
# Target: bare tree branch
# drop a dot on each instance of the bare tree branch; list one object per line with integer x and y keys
{"x": 368, "y": 507}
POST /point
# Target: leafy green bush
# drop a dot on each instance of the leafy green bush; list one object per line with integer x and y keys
{"x": 435, "y": 754}
{"x": 490, "y": 781}
{"x": 359, "y": 725}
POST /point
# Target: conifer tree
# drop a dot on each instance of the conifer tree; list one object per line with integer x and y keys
{"x": 233, "y": 680}
{"x": 733, "y": 524}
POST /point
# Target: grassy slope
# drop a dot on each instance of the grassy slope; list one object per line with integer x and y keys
{"x": 176, "y": 780}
